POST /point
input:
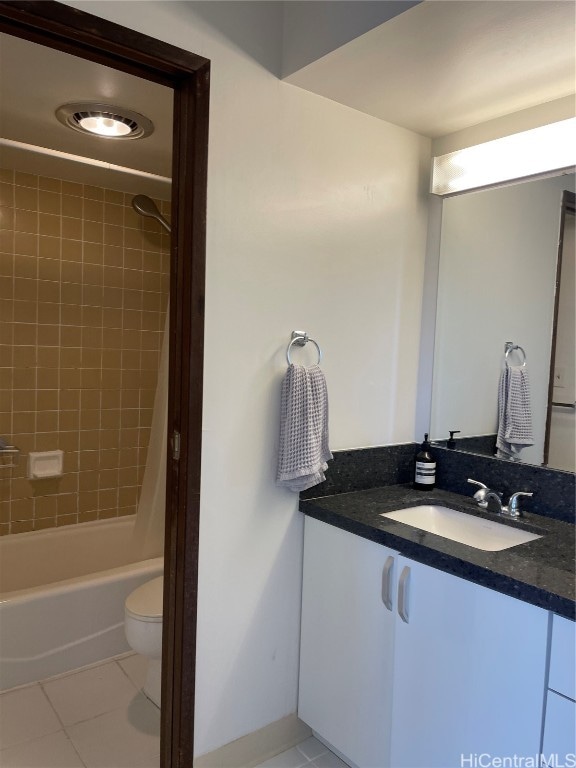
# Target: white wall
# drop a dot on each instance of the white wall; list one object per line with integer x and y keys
{"x": 515, "y": 122}
{"x": 316, "y": 221}
{"x": 562, "y": 447}
{"x": 499, "y": 251}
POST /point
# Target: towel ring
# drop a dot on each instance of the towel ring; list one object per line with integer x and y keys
{"x": 512, "y": 348}
{"x": 301, "y": 338}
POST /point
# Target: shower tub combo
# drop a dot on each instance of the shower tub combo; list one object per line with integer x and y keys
{"x": 62, "y": 591}
{"x": 62, "y": 594}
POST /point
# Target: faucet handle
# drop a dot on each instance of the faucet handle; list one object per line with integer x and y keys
{"x": 480, "y": 495}
{"x": 514, "y": 502}
{"x": 477, "y": 482}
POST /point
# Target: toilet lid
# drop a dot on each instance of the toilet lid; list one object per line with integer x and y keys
{"x": 146, "y": 601}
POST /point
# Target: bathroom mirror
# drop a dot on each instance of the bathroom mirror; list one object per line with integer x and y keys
{"x": 497, "y": 283}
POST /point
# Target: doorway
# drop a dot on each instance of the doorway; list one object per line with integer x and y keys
{"x": 88, "y": 37}
{"x": 559, "y": 445}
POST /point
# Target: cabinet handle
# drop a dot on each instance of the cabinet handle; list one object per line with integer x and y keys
{"x": 403, "y": 593}
{"x": 386, "y": 586}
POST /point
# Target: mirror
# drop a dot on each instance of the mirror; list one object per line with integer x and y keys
{"x": 497, "y": 283}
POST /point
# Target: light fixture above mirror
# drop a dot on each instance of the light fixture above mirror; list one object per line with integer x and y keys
{"x": 547, "y": 150}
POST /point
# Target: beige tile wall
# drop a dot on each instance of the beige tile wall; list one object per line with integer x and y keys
{"x": 83, "y": 293}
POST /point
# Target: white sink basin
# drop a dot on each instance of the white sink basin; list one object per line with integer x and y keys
{"x": 459, "y": 526}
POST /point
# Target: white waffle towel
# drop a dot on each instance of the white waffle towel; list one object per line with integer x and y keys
{"x": 514, "y": 412}
{"x": 304, "y": 450}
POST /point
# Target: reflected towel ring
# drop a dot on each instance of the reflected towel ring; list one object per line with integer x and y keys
{"x": 301, "y": 338}
{"x": 512, "y": 348}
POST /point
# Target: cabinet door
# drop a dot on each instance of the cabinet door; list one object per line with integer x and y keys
{"x": 346, "y": 649}
{"x": 469, "y": 672}
{"x": 563, "y": 657}
{"x": 559, "y": 730}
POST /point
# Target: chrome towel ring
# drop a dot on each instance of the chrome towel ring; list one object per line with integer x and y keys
{"x": 300, "y": 339}
{"x": 511, "y": 347}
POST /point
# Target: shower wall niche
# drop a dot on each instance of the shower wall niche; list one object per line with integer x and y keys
{"x": 83, "y": 296}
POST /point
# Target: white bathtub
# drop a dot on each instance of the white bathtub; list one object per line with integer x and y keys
{"x": 62, "y": 594}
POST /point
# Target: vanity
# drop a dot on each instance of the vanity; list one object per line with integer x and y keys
{"x": 418, "y": 651}
{"x": 433, "y": 638}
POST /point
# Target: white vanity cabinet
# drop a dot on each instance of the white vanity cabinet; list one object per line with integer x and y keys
{"x": 560, "y": 722}
{"x": 469, "y": 673}
{"x": 347, "y": 637}
{"x": 563, "y": 657}
{"x": 446, "y": 671}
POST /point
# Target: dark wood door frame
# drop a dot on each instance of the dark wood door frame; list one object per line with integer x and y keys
{"x": 90, "y": 37}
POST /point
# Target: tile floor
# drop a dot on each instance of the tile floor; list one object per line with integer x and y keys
{"x": 93, "y": 718}
{"x": 97, "y": 717}
{"x": 310, "y": 753}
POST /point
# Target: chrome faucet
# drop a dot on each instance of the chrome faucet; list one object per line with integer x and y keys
{"x": 480, "y": 495}
{"x": 498, "y": 499}
{"x": 512, "y": 509}
{"x": 514, "y": 504}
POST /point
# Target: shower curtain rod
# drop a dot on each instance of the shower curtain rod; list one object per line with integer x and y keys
{"x": 59, "y": 155}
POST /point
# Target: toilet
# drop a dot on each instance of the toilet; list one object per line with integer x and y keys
{"x": 143, "y": 627}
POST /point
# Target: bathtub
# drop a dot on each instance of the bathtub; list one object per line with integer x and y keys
{"x": 62, "y": 594}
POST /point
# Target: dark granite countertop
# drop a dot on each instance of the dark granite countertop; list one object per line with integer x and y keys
{"x": 540, "y": 572}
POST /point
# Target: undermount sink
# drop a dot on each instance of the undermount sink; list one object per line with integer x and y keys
{"x": 459, "y": 526}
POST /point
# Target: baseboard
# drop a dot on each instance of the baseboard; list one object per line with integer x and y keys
{"x": 254, "y": 748}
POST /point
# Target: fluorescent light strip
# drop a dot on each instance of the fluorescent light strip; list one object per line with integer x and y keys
{"x": 550, "y": 148}
{"x": 84, "y": 160}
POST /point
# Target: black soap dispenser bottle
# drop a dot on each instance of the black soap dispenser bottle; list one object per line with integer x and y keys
{"x": 451, "y": 443}
{"x": 425, "y": 475}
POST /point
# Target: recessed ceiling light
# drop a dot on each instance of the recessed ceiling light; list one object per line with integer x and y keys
{"x": 104, "y": 120}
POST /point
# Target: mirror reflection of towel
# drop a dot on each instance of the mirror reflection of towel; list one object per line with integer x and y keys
{"x": 514, "y": 412}
{"x": 303, "y": 450}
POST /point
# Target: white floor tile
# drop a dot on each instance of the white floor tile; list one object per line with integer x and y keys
{"x": 329, "y": 760}
{"x": 135, "y": 667}
{"x": 311, "y": 748}
{"x": 25, "y": 714}
{"x": 90, "y": 693}
{"x": 292, "y": 758}
{"x": 53, "y": 751}
{"x": 152, "y": 761}
{"x": 125, "y": 738}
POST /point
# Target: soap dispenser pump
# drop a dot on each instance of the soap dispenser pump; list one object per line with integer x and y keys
{"x": 451, "y": 443}
{"x": 425, "y": 475}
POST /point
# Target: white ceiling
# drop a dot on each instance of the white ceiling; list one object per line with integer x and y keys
{"x": 445, "y": 65}
{"x": 36, "y": 80}
{"x": 438, "y": 67}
